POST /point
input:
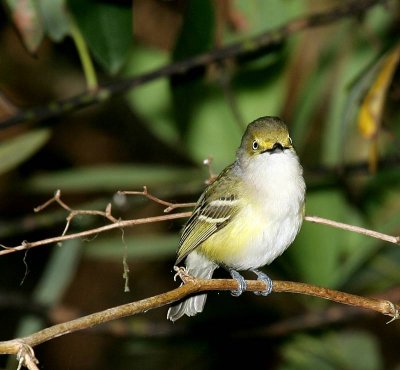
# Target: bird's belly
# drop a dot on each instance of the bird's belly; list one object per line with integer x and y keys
{"x": 253, "y": 240}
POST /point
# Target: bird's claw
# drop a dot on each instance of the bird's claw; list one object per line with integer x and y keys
{"x": 267, "y": 281}
{"x": 242, "y": 285}
{"x": 183, "y": 274}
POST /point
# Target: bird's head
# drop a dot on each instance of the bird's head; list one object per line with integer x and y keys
{"x": 265, "y": 135}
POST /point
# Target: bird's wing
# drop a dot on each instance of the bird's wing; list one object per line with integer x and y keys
{"x": 214, "y": 210}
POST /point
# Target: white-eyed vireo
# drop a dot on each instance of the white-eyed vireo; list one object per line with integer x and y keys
{"x": 249, "y": 215}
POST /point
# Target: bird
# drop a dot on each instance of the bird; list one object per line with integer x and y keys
{"x": 248, "y": 216}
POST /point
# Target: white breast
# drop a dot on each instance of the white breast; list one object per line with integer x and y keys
{"x": 276, "y": 184}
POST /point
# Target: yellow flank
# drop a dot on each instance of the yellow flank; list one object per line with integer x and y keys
{"x": 229, "y": 244}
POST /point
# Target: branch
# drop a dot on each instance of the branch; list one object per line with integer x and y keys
{"x": 117, "y": 225}
{"x": 248, "y": 46}
{"x": 317, "y": 319}
{"x": 354, "y": 229}
{"x": 75, "y": 212}
{"x": 170, "y": 206}
{"x": 106, "y": 214}
{"x": 194, "y": 286}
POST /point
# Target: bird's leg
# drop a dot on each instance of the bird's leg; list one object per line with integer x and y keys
{"x": 242, "y": 286}
{"x": 266, "y": 279}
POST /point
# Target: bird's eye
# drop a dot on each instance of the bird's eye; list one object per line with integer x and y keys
{"x": 290, "y": 140}
{"x": 255, "y": 145}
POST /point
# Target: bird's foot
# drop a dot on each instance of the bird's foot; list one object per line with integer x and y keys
{"x": 242, "y": 286}
{"x": 266, "y": 279}
{"x": 183, "y": 274}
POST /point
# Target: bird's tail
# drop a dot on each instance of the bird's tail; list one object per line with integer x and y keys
{"x": 201, "y": 268}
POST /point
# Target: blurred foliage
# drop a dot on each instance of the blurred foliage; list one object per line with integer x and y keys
{"x": 331, "y": 351}
{"x": 337, "y": 87}
{"x": 107, "y": 29}
{"x": 17, "y": 150}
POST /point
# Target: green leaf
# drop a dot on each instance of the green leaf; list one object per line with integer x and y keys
{"x": 260, "y": 15}
{"x": 15, "y": 151}
{"x": 55, "y": 18}
{"x": 113, "y": 178}
{"x": 28, "y": 22}
{"x": 196, "y": 36}
{"x": 197, "y": 31}
{"x": 153, "y": 100}
{"x": 213, "y": 131}
{"x": 334, "y": 134}
{"x": 59, "y": 272}
{"x": 107, "y": 29}
{"x": 139, "y": 246}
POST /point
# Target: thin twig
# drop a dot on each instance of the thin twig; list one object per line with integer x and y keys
{"x": 117, "y": 225}
{"x": 55, "y": 199}
{"x": 193, "y": 286}
{"x": 75, "y": 212}
{"x": 26, "y": 357}
{"x": 170, "y": 206}
{"x": 107, "y": 214}
{"x": 248, "y": 46}
{"x": 355, "y": 229}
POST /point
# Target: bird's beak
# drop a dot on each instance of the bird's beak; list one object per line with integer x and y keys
{"x": 277, "y": 148}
